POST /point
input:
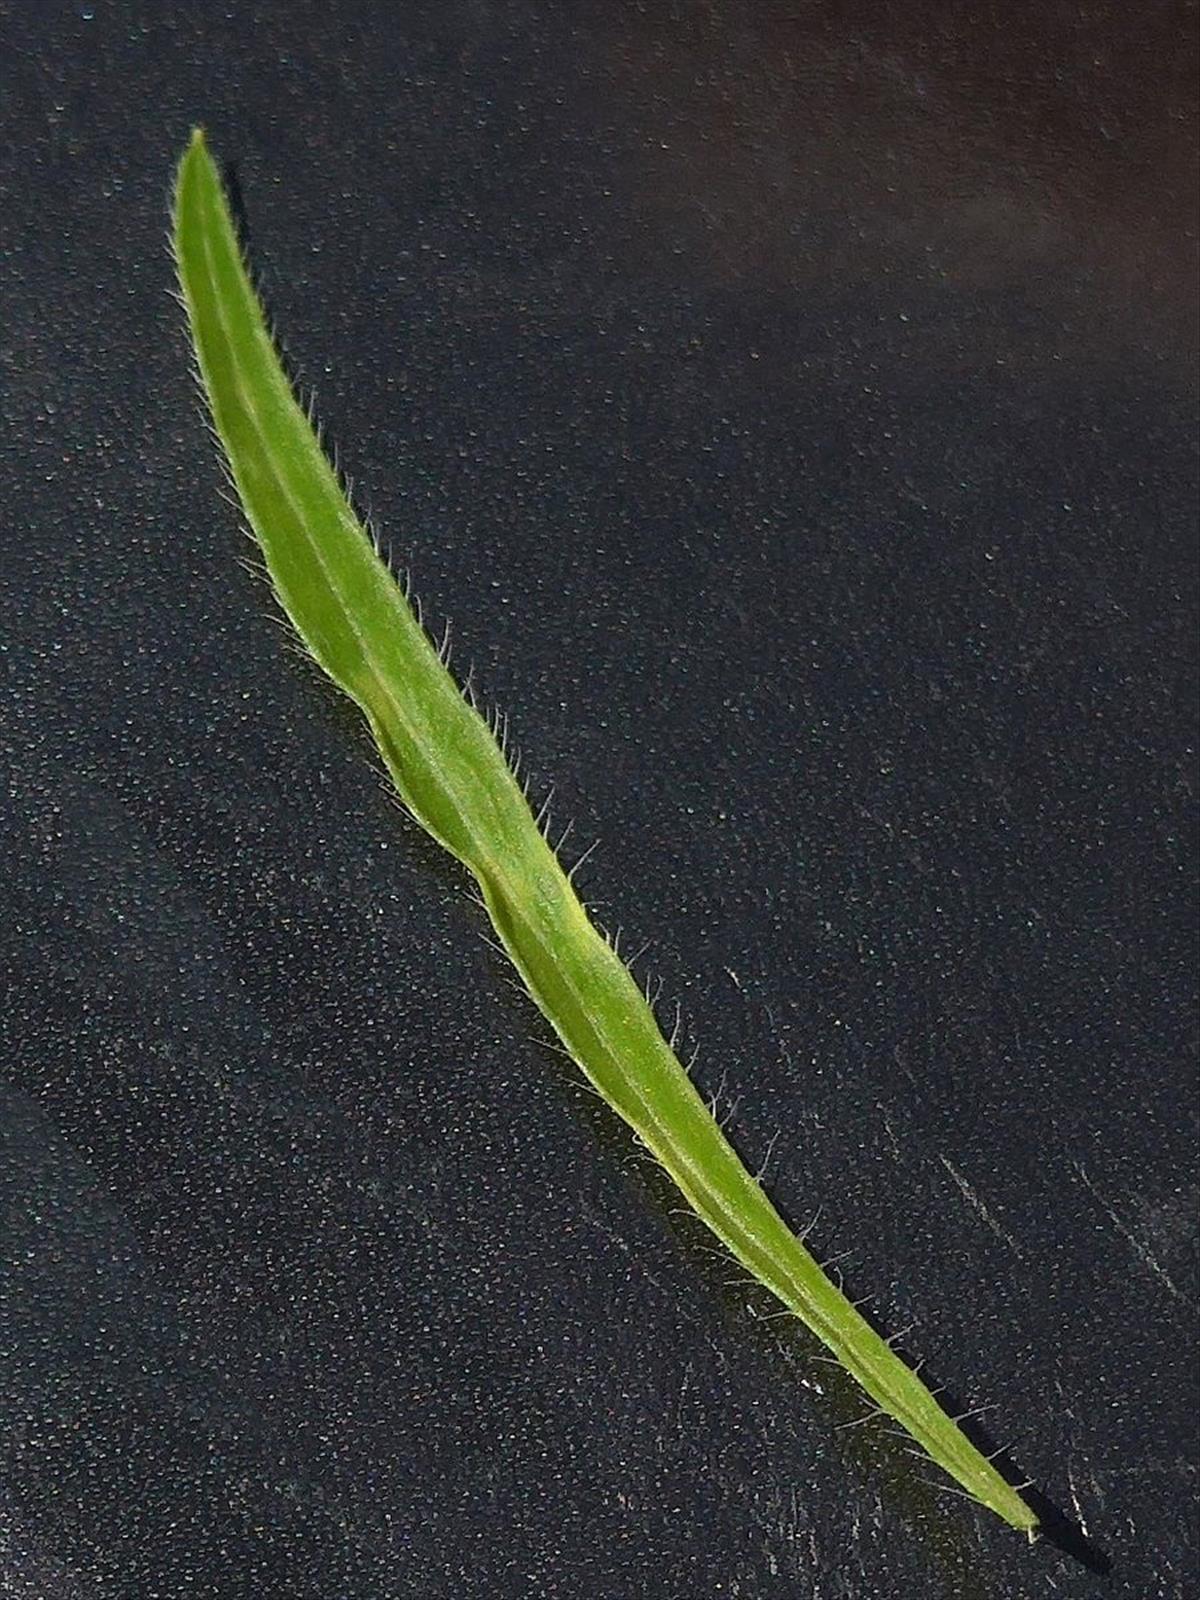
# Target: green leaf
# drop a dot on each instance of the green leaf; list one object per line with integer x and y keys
{"x": 453, "y": 776}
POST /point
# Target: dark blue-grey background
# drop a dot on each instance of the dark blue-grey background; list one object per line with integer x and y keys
{"x": 794, "y": 409}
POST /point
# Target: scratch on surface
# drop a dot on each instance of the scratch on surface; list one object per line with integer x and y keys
{"x": 623, "y": 1246}
{"x": 1097, "y": 1491}
{"x": 1080, "y": 1518}
{"x": 978, "y": 1206}
{"x": 1139, "y": 1248}
{"x": 684, "y": 1385}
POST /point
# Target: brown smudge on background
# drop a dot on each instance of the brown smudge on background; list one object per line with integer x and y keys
{"x": 1024, "y": 149}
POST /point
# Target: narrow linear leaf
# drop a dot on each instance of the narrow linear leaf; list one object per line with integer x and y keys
{"x": 453, "y": 776}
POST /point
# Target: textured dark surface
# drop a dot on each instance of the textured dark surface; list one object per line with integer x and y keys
{"x": 795, "y": 416}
